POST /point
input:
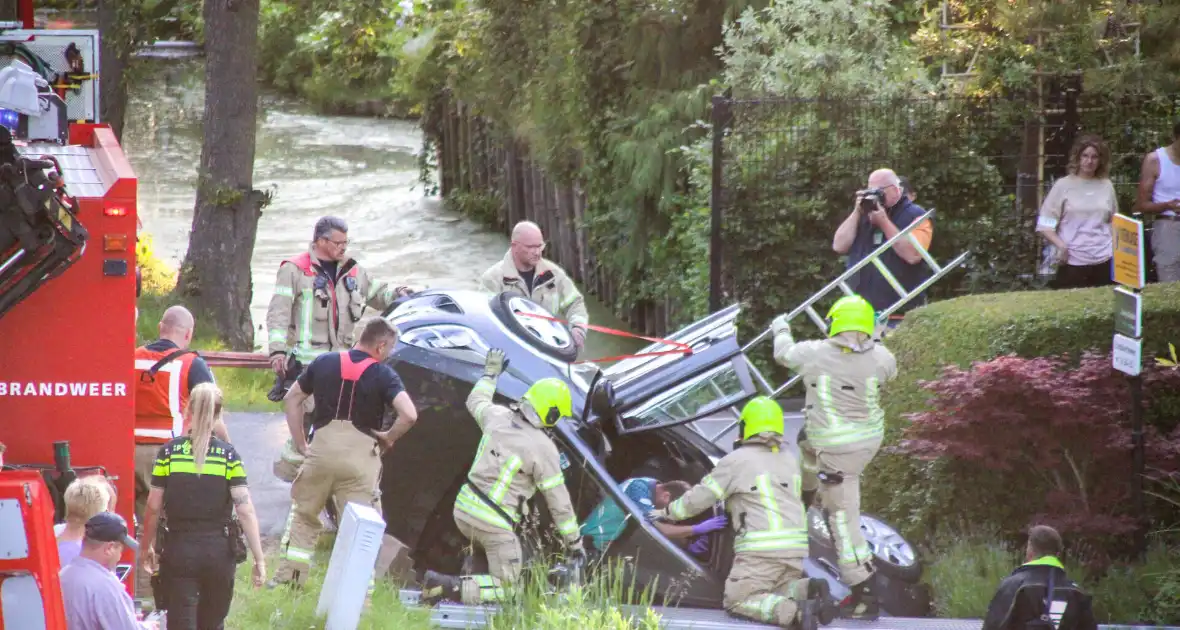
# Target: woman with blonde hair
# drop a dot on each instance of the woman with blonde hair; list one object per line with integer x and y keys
{"x": 84, "y": 498}
{"x": 198, "y": 482}
{"x": 1076, "y": 216}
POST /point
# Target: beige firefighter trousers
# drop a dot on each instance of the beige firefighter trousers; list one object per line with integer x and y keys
{"x": 505, "y": 558}
{"x": 343, "y": 463}
{"x": 145, "y": 461}
{"x": 842, "y": 502}
{"x": 765, "y": 588}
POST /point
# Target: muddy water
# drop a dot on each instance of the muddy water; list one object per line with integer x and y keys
{"x": 364, "y": 170}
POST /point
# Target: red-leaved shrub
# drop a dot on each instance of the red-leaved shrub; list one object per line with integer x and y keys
{"x": 1064, "y": 428}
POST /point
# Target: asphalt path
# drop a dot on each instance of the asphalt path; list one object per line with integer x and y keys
{"x": 259, "y": 439}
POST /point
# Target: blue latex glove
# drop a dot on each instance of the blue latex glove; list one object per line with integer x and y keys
{"x": 700, "y": 546}
{"x": 711, "y": 525}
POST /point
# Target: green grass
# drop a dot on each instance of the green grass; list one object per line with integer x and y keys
{"x": 244, "y": 389}
{"x": 594, "y": 606}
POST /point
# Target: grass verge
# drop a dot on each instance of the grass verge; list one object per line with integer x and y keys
{"x": 594, "y": 606}
{"x": 244, "y": 389}
{"x": 968, "y": 566}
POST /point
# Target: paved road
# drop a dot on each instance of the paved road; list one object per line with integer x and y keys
{"x": 259, "y": 438}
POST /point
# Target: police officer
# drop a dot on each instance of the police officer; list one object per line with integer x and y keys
{"x": 195, "y": 481}
{"x": 759, "y": 483}
{"x": 319, "y": 297}
{"x": 844, "y": 428}
{"x": 515, "y": 459}
{"x": 352, "y": 389}
{"x": 525, "y": 272}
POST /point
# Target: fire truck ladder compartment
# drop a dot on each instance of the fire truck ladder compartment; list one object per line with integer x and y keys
{"x": 40, "y": 235}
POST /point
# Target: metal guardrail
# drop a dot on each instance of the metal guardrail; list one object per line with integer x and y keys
{"x": 460, "y": 616}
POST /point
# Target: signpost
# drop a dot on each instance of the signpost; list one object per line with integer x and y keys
{"x": 1129, "y": 269}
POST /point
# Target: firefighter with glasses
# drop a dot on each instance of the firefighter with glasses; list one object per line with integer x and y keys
{"x": 759, "y": 483}
{"x": 515, "y": 459}
{"x": 844, "y": 427}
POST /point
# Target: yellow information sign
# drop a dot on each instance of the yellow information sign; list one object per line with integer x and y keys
{"x": 1129, "y": 267}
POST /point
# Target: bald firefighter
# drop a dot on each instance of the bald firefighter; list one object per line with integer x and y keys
{"x": 525, "y": 272}
{"x": 514, "y": 460}
{"x": 759, "y": 483}
{"x": 843, "y": 431}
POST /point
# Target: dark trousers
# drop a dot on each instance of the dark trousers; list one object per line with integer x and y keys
{"x": 197, "y": 573}
{"x": 1082, "y": 276}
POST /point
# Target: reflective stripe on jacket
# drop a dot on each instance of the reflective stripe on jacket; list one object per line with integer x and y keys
{"x": 514, "y": 460}
{"x": 160, "y": 400}
{"x": 843, "y": 406}
{"x": 760, "y": 485}
{"x": 552, "y": 288}
{"x": 308, "y": 322}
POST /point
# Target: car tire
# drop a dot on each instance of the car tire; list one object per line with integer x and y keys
{"x": 893, "y": 556}
{"x": 500, "y": 306}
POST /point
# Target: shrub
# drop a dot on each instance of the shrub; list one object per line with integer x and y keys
{"x": 1067, "y": 431}
{"x": 918, "y": 495}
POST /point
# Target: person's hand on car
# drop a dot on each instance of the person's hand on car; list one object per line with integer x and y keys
{"x": 579, "y": 335}
{"x": 495, "y": 363}
{"x": 700, "y": 546}
{"x": 709, "y": 526}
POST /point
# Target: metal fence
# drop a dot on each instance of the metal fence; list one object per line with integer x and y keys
{"x": 785, "y": 172}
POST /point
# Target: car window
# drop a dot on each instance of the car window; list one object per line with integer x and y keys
{"x": 701, "y": 395}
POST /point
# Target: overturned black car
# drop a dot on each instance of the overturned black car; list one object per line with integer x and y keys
{"x": 667, "y": 416}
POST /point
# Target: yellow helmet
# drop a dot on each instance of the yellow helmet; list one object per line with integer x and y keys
{"x": 550, "y": 398}
{"x": 761, "y": 415}
{"x": 852, "y": 312}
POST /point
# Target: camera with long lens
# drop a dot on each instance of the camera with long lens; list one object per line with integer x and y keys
{"x": 868, "y": 199}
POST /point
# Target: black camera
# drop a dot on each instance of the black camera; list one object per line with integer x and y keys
{"x": 868, "y": 199}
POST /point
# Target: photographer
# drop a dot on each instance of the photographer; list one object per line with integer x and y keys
{"x": 883, "y": 210}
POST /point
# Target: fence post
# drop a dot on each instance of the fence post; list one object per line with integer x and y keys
{"x": 1072, "y": 118}
{"x": 720, "y": 119}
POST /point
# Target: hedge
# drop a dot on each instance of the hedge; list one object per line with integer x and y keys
{"x": 920, "y": 497}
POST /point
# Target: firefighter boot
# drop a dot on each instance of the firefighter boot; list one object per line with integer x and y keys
{"x": 807, "y": 618}
{"x": 439, "y": 586}
{"x": 826, "y": 608}
{"x": 862, "y": 603}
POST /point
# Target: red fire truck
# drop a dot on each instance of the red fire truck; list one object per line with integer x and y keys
{"x": 67, "y": 306}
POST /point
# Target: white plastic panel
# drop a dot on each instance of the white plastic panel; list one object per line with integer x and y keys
{"x": 14, "y": 541}
{"x": 21, "y": 603}
{"x": 350, "y": 569}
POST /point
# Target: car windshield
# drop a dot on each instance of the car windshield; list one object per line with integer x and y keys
{"x": 702, "y": 395}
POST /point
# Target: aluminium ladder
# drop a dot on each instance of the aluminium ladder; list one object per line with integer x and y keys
{"x": 841, "y": 283}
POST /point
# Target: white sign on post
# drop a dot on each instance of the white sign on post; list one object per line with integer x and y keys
{"x": 1127, "y": 354}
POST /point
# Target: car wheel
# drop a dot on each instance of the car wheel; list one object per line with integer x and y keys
{"x": 893, "y": 555}
{"x": 550, "y": 337}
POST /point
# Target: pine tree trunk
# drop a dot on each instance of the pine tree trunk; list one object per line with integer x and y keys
{"x": 215, "y": 276}
{"x": 113, "y": 57}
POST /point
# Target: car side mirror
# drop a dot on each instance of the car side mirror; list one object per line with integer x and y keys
{"x": 602, "y": 402}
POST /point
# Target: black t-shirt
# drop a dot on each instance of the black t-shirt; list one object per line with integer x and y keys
{"x": 331, "y": 268}
{"x": 198, "y": 372}
{"x": 528, "y": 277}
{"x": 192, "y": 501}
{"x": 376, "y": 388}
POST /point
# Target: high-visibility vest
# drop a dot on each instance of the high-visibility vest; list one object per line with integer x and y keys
{"x": 160, "y": 399}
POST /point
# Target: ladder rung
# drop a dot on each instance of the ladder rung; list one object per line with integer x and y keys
{"x": 845, "y": 288}
{"x": 819, "y": 321}
{"x": 885, "y": 273}
{"x": 924, "y": 254}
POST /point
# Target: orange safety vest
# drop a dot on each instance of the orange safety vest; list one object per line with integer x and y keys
{"x": 160, "y": 398}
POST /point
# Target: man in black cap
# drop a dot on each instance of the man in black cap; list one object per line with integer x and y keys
{"x": 95, "y": 598}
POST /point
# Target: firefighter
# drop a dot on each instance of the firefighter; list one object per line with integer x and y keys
{"x": 319, "y": 297}
{"x": 759, "y": 484}
{"x": 843, "y": 430}
{"x": 352, "y": 389}
{"x": 514, "y": 460}
{"x": 525, "y": 272}
{"x": 167, "y": 370}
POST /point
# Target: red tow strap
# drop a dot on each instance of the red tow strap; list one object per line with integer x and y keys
{"x": 682, "y": 348}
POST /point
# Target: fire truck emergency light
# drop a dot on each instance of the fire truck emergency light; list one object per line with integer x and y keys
{"x": 354, "y": 557}
{"x": 115, "y": 211}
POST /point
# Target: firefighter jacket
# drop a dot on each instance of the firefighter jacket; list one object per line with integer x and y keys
{"x": 1020, "y": 601}
{"x": 761, "y": 486}
{"x": 842, "y": 407}
{"x": 552, "y": 289}
{"x": 161, "y": 397}
{"x": 514, "y": 460}
{"x": 308, "y": 315}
